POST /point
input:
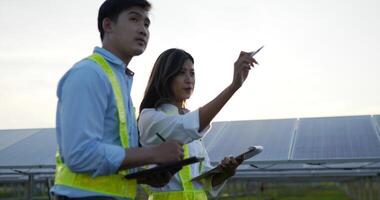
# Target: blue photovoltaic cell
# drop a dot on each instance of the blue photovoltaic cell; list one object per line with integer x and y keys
{"x": 336, "y": 138}
{"x": 10, "y": 137}
{"x": 233, "y": 138}
{"x": 37, "y": 149}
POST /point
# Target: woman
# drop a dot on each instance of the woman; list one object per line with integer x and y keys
{"x": 163, "y": 115}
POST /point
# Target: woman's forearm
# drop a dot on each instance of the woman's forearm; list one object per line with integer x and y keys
{"x": 209, "y": 111}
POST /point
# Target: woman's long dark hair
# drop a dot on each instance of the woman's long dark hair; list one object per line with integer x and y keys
{"x": 166, "y": 67}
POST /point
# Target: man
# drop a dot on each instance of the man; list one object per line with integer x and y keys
{"x": 96, "y": 127}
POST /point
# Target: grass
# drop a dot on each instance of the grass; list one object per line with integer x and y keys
{"x": 325, "y": 191}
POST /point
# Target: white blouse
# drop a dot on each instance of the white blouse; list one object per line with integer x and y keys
{"x": 167, "y": 121}
{"x": 169, "y": 124}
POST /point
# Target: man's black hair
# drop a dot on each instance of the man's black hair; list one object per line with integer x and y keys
{"x": 112, "y": 8}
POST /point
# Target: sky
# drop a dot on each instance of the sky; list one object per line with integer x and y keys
{"x": 320, "y": 57}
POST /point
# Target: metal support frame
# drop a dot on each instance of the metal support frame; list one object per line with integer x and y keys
{"x": 29, "y": 190}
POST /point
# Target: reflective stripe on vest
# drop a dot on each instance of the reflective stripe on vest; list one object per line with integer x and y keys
{"x": 113, "y": 185}
{"x": 185, "y": 172}
{"x": 188, "y": 192}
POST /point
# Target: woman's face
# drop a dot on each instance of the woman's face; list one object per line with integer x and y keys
{"x": 182, "y": 86}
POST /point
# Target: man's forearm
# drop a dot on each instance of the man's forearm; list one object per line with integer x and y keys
{"x": 136, "y": 157}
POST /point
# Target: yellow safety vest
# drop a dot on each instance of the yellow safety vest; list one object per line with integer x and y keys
{"x": 113, "y": 185}
{"x": 188, "y": 192}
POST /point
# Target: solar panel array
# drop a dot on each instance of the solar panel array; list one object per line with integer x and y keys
{"x": 337, "y": 139}
{"x": 9, "y": 137}
{"x": 27, "y": 147}
{"x": 305, "y": 147}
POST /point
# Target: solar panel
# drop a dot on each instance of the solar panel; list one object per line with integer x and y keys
{"x": 377, "y": 123}
{"x": 336, "y": 138}
{"x": 232, "y": 138}
{"x": 10, "y": 137}
{"x": 313, "y": 146}
{"x": 38, "y": 149}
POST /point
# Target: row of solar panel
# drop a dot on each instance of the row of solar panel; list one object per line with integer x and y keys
{"x": 307, "y": 140}
{"x": 304, "y": 140}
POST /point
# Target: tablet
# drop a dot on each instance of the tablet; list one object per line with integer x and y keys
{"x": 170, "y": 167}
{"x": 252, "y": 151}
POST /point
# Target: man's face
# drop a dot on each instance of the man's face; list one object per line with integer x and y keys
{"x": 130, "y": 33}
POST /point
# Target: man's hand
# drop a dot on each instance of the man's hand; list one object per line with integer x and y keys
{"x": 167, "y": 152}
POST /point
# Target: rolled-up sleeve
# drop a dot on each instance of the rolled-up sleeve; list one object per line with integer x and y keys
{"x": 82, "y": 103}
{"x": 180, "y": 127}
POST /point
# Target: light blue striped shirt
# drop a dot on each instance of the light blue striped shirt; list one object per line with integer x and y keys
{"x": 87, "y": 125}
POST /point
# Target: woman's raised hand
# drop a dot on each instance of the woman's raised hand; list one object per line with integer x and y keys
{"x": 241, "y": 68}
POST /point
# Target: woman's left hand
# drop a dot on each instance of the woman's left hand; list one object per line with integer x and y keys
{"x": 229, "y": 165}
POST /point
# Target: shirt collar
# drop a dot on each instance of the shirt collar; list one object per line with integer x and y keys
{"x": 110, "y": 57}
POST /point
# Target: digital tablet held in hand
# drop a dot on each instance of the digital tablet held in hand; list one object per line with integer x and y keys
{"x": 170, "y": 167}
{"x": 252, "y": 151}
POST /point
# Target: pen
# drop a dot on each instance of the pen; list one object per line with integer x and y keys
{"x": 162, "y": 138}
{"x": 254, "y": 53}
